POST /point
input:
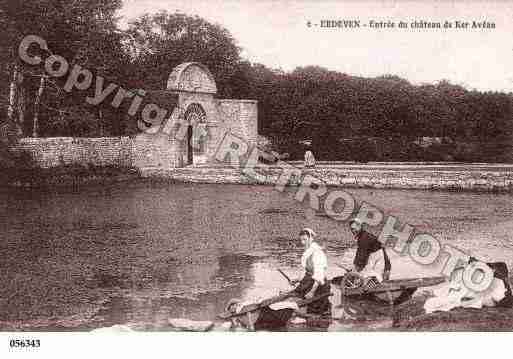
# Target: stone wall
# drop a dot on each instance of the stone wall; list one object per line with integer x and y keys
{"x": 144, "y": 150}
{"x": 156, "y": 150}
{"x": 159, "y": 156}
{"x": 58, "y": 151}
{"x": 241, "y": 117}
{"x": 471, "y": 178}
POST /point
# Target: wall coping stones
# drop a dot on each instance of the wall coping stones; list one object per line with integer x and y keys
{"x": 237, "y": 101}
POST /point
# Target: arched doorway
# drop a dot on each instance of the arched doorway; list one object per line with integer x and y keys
{"x": 195, "y": 147}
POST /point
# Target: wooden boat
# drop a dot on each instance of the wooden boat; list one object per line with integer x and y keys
{"x": 259, "y": 316}
{"x": 391, "y": 292}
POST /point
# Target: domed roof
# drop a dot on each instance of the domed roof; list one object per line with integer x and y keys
{"x": 192, "y": 77}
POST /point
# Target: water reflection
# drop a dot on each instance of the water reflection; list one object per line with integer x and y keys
{"x": 144, "y": 252}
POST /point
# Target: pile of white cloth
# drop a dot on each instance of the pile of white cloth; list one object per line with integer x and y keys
{"x": 285, "y": 304}
{"x": 455, "y": 294}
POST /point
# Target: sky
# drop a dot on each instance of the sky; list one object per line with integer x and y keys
{"x": 275, "y": 33}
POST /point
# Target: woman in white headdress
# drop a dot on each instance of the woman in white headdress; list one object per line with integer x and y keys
{"x": 314, "y": 282}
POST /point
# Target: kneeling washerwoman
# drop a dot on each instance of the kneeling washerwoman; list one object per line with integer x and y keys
{"x": 314, "y": 282}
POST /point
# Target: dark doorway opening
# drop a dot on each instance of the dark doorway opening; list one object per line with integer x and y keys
{"x": 190, "y": 154}
{"x": 195, "y": 117}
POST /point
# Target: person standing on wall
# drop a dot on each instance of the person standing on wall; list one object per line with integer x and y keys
{"x": 309, "y": 159}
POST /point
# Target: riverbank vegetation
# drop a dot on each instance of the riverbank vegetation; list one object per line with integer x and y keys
{"x": 385, "y": 118}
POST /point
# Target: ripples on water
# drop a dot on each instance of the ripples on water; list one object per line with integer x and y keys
{"x": 143, "y": 253}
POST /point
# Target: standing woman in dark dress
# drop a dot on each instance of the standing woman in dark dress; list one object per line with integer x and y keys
{"x": 371, "y": 259}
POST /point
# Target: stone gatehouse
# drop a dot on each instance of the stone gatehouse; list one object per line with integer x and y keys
{"x": 192, "y": 87}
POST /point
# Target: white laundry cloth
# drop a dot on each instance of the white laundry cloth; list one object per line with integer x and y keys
{"x": 375, "y": 266}
{"x": 455, "y": 294}
{"x": 286, "y": 304}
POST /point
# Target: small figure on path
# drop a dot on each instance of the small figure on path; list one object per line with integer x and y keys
{"x": 309, "y": 159}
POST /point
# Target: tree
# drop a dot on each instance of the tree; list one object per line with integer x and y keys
{"x": 159, "y": 42}
{"x": 83, "y": 32}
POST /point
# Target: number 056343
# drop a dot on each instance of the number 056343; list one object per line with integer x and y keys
{"x": 24, "y": 343}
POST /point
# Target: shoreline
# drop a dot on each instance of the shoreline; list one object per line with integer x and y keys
{"x": 452, "y": 177}
{"x": 60, "y": 177}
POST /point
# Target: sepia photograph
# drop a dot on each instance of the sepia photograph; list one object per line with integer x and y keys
{"x": 255, "y": 166}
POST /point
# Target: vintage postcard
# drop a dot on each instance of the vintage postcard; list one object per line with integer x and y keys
{"x": 245, "y": 166}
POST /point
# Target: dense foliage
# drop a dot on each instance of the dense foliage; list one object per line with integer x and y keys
{"x": 383, "y": 118}
{"x": 346, "y": 117}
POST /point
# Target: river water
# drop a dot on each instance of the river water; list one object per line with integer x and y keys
{"x": 142, "y": 253}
